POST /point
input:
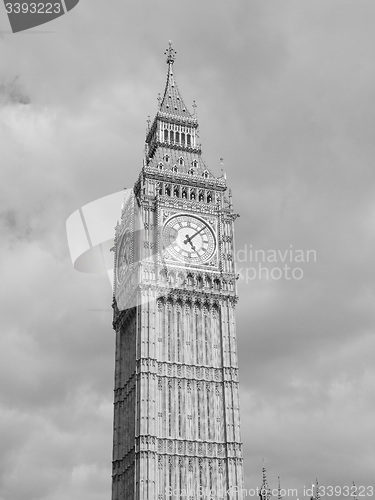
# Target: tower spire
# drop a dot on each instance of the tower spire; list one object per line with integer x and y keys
{"x": 170, "y": 53}
{"x": 317, "y": 494}
{"x": 173, "y": 137}
{"x": 279, "y": 497}
{"x": 354, "y": 491}
{"x": 172, "y": 104}
{"x": 265, "y": 492}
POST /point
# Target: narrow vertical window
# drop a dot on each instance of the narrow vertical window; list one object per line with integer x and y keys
{"x": 171, "y": 136}
{"x": 179, "y": 408}
{"x": 177, "y": 137}
{"x": 199, "y": 410}
{"x": 206, "y": 335}
{"x": 170, "y": 474}
{"x": 178, "y": 337}
{"x": 169, "y": 334}
{"x": 188, "y": 139}
{"x": 208, "y": 412}
{"x": 193, "y": 338}
{"x": 181, "y": 467}
{"x": 197, "y": 340}
{"x": 165, "y": 135}
{"x": 169, "y": 408}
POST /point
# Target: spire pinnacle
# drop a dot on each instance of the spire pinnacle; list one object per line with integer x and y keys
{"x": 354, "y": 491}
{"x": 264, "y": 471}
{"x": 172, "y": 104}
{"x": 279, "y": 490}
{"x": 265, "y": 492}
{"x": 170, "y": 53}
{"x": 317, "y": 493}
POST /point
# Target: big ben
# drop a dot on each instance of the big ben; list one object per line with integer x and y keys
{"x": 176, "y": 398}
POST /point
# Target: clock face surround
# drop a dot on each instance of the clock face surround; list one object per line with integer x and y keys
{"x": 124, "y": 255}
{"x": 189, "y": 239}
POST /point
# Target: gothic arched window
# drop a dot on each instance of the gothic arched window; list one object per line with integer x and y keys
{"x": 168, "y": 190}
{"x": 209, "y": 197}
{"x": 201, "y": 196}
{"x": 166, "y": 158}
{"x": 180, "y": 161}
{"x": 177, "y": 137}
{"x": 163, "y": 275}
{"x": 171, "y": 136}
{"x": 188, "y": 139}
{"x": 165, "y": 135}
{"x": 176, "y": 192}
{"x": 183, "y": 138}
{"x": 175, "y": 169}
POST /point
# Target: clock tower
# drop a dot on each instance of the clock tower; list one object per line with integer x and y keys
{"x": 176, "y": 400}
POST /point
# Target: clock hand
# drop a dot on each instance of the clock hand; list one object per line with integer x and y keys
{"x": 189, "y": 238}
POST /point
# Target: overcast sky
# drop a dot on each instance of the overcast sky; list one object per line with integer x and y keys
{"x": 286, "y": 94}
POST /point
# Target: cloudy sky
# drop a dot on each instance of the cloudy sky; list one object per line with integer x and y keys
{"x": 286, "y": 93}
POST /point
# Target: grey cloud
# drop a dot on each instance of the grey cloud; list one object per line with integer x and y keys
{"x": 12, "y": 91}
{"x": 285, "y": 95}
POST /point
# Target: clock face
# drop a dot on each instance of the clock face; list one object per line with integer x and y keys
{"x": 124, "y": 255}
{"x": 189, "y": 239}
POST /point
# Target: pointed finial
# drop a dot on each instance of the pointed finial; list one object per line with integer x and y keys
{"x": 194, "y": 106}
{"x": 170, "y": 53}
{"x": 354, "y": 491}
{"x": 265, "y": 492}
{"x": 279, "y": 490}
{"x": 317, "y": 494}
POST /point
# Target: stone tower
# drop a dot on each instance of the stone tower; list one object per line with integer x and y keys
{"x": 176, "y": 400}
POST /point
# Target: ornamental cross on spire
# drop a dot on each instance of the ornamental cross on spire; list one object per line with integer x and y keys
{"x": 170, "y": 53}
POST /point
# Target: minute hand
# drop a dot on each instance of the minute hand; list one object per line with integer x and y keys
{"x": 189, "y": 238}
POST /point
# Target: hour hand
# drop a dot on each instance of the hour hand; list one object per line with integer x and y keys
{"x": 188, "y": 240}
